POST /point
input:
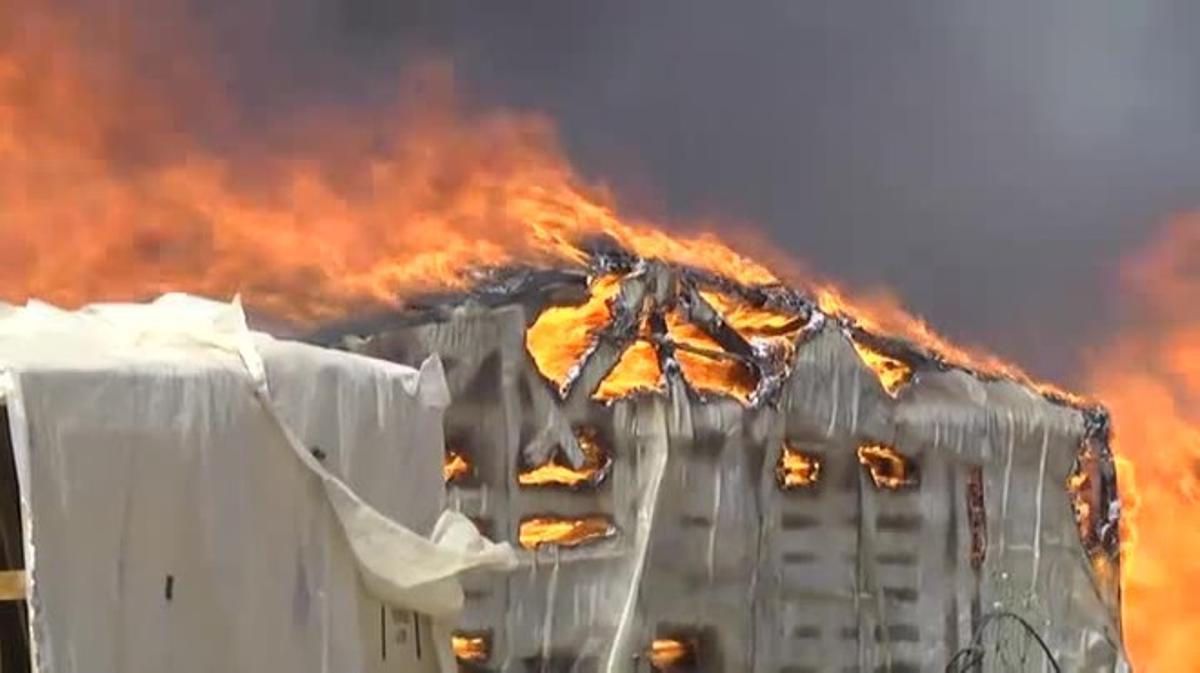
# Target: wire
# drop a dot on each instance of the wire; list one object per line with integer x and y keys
{"x": 970, "y": 658}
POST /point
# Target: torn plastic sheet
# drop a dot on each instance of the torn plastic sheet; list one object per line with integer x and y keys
{"x": 169, "y": 525}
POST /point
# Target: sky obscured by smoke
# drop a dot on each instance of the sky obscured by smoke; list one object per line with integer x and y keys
{"x": 990, "y": 162}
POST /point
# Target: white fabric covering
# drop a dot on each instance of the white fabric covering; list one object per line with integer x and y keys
{"x": 177, "y": 519}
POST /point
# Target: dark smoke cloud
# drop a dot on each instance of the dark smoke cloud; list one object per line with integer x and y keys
{"x": 989, "y": 161}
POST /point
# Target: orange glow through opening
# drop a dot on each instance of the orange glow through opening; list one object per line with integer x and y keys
{"x": 797, "y": 469}
{"x": 557, "y": 473}
{"x": 564, "y": 531}
{"x": 456, "y": 467}
{"x": 889, "y": 469}
{"x": 472, "y": 648}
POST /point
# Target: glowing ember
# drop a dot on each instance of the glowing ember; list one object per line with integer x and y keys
{"x": 563, "y": 531}
{"x": 888, "y": 468}
{"x": 893, "y": 374}
{"x": 455, "y": 468}
{"x": 556, "y": 473}
{"x": 470, "y": 647}
{"x": 668, "y": 654}
{"x": 561, "y": 335}
{"x": 797, "y": 469}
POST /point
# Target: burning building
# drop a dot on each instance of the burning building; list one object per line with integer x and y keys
{"x": 701, "y": 468}
{"x": 714, "y": 475}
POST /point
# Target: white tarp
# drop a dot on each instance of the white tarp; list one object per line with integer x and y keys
{"x": 201, "y": 498}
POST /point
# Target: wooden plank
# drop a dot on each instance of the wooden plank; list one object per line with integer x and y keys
{"x": 12, "y": 585}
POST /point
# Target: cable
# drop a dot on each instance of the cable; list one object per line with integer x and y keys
{"x": 970, "y": 657}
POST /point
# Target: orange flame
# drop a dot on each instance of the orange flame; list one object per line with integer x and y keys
{"x": 797, "y": 469}
{"x": 455, "y": 468}
{"x": 106, "y": 197}
{"x": 707, "y": 373}
{"x": 563, "y": 531}
{"x": 888, "y": 467}
{"x": 554, "y": 473}
{"x": 753, "y": 321}
{"x": 1149, "y": 377}
{"x": 893, "y": 374}
{"x": 725, "y": 375}
{"x": 470, "y": 647}
{"x": 667, "y": 654}
{"x": 636, "y": 371}
{"x": 561, "y": 335}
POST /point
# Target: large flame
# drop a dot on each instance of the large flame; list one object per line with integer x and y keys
{"x": 110, "y": 189}
{"x": 1149, "y": 376}
{"x": 104, "y": 195}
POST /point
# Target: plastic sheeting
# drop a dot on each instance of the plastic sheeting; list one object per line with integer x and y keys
{"x": 201, "y": 498}
{"x": 842, "y": 575}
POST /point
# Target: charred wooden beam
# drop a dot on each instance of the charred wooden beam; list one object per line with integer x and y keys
{"x": 664, "y": 347}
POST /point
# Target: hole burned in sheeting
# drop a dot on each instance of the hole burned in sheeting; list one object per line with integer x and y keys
{"x": 557, "y": 473}
{"x": 889, "y": 469}
{"x": 796, "y": 469}
{"x": 471, "y": 647}
{"x": 564, "y": 531}
{"x": 456, "y": 468}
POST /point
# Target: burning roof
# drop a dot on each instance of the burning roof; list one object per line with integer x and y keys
{"x": 613, "y": 323}
{"x": 646, "y": 422}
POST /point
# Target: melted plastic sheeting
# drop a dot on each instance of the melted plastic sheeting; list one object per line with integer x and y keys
{"x": 838, "y": 574}
{"x": 199, "y": 499}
